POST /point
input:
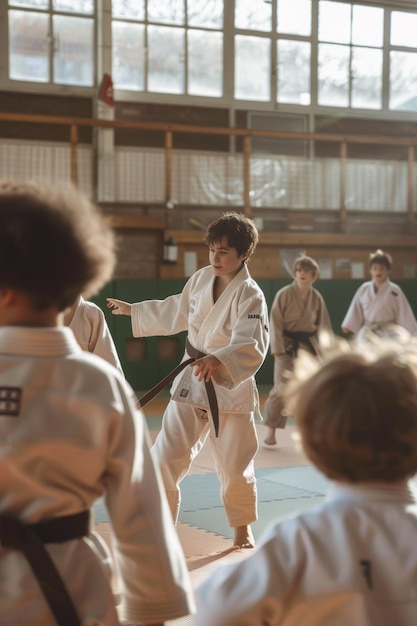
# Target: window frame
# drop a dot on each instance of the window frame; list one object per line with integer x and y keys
{"x": 48, "y": 87}
{"x": 102, "y": 19}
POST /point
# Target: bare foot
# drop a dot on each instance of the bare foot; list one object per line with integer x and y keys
{"x": 270, "y": 438}
{"x": 244, "y": 537}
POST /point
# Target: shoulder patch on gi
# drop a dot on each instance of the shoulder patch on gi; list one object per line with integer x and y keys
{"x": 184, "y": 393}
{"x": 10, "y": 400}
{"x": 394, "y": 293}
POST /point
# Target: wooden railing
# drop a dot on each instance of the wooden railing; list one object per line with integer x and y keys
{"x": 74, "y": 124}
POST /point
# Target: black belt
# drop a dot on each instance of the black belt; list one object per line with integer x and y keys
{"x": 211, "y": 393}
{"x": 299, "y": 337}
{"x": 150, "y": 395}
{"x": 30, "y": 539}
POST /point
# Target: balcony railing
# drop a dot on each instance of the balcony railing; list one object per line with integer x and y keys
{"x": 254, "y": 182}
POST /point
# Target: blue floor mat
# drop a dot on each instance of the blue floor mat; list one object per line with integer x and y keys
{"x": 214, "y": 520}
{"x": 201, "y": 491}
{"x": 280, "y": 491}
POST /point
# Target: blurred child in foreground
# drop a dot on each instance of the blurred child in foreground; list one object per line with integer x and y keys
{"x": 351, "y": 560}
{"x": 69, "y": 434}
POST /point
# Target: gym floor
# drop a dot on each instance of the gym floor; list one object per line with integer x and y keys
{"x": 286, "y": 483}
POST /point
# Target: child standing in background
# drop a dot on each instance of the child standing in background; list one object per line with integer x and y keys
{"x": 298, "y": 316}
{"x": 379, "y": 301}
{"x": 224, "y": 311}
{"x": 70, "y": 433}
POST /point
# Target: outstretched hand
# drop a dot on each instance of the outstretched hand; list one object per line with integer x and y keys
{"x": 119, "y": 307}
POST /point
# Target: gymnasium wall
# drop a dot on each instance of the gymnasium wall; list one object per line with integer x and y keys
{"x": 146, "y": 360}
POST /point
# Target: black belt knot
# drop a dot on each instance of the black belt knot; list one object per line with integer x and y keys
{"x": 211, "y": 392}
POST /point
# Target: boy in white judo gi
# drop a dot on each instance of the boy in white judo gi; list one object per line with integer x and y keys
{"x": 224, "y": 311}
{"x": 352, "y": 560}
{"x": 88, "y": 323}
{"x": 298, "y": 319}
{"x": 379, "y": 301}
{"x": 70, "y": 433}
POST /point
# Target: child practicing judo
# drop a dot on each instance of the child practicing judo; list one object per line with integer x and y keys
{"x": 298, "y": 318}
{"x": 379, "y": 301}
{"x": 224, "y": 311}
{"x": 352, "y": 559}
{"x": 70, "y": 433}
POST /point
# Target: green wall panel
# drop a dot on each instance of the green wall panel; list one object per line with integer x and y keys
{"x": 337, "y": 295}
{"x": 264, "y": 376}
{"x": 144, "y": 374}
{"x": 140, "y": 374}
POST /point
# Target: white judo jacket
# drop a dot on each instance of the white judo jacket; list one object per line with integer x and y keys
{"x": 388, "y": 305}
{"x": 92, "y": 332}
{"x": 69, "y": 434}
{"x": 234, "y": 329}
{"x": 351, "y": 561}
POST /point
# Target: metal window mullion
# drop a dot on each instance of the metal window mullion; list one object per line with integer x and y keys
{"x": 4, "y": 43}
{"x": 386, "y": 60}
{"x": 350, "y": 59}
{"x": 228, "y": 52}
{"x": 98, "y": 35}
{"x": 51, "y": 48}
{"x": 351, "y": 78}
{"x": 185, "y": 51}
{"x": 314, "y": 54}
{"x": 274, "y": 56}
{"x": 146, "y": 53}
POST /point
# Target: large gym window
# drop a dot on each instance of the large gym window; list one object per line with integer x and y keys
{"x": 403, "y": 61}
{"x": 350, "y": 55}
{"x": 298, "y": 56}
{"x": 52, "y": 41}
{"x": 272, "y": 48}
{"x": 168, "y": 47}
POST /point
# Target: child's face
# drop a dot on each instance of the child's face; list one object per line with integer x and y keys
{"x": 304, "y": 278}
{"x": 224, "y": 260}
{"x": 379, "y": 273}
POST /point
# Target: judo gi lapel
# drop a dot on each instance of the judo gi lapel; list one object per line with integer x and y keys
{"x": 223, "y": 301}
{"x": 305, "y": 308}
{"x": 377, "y": 298}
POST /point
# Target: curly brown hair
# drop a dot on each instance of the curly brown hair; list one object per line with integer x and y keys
{"x": 54, "y": 244}
{"x": 357, "y": 411}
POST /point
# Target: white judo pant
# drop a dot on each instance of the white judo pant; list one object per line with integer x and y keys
{"x": 184, "y": 431}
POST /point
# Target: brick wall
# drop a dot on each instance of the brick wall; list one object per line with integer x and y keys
{"x": 138, "y": 253}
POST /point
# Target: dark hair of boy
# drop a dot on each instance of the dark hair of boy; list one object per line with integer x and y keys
{"x": 380, "y": 257}
{"x": 239, "y": 230}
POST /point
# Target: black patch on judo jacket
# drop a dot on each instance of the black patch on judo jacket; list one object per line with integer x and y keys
{"x": 10, "y": 400}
